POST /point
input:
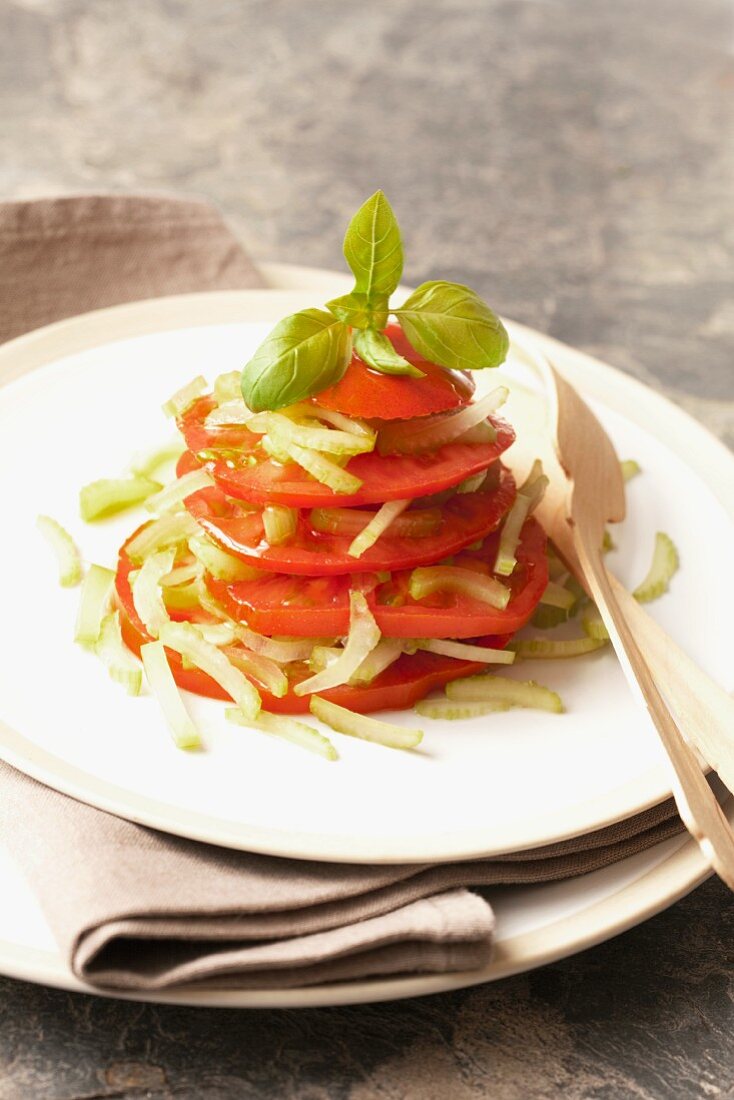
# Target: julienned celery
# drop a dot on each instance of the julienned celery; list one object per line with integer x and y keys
{"x": 265, "y": 671}
{"x": 180, "y": 401}
{"x": 556, "y": 595}
{"x": 593, "y": 625}
{"x": 188, "y": 642}
{"x": 336, "y": 419}
{"x": 280, "y": 650}
{"x": 432, "y": 432}
{"x": 330, "y": 440}
{"x": 630, "y": 469}
{"x": 182, "y": 597}
{"x": 663, "y": 568}
{"x": 385, "y": 653}
{"x": 93, "y": 604}
{"x": 364, "y": 635}
{"x": 280, "y": 523}
{"x": 175, "y": 494}
{"x": 556, "y": 648}
{"x": 472, "y": 483}
{"x": 464, "y": 652}
{"x": 182, "y": 574}
{"x": 319, "y": 467}
{"x": 227, "y": 387}
{"x": 416, "y": 523}
{"x": 221, "y": 565}
{"x": 324, "y": 655}
{"x": 111, "y": 650}
{"x": 148, "y": 463}
{"x": 486, "y": 688}
{"x": 217, "y": 634}
{"x": 163, "y": 686}
{"x": 377, "y": 526}
{"x": 450, "y": 709}
{"x": 67, "y": 556}
{"x": 110, "y": 495}
{"x": 146, "y": 591}
{"x": 450, "y": 578}
{"x": 229, "y": 413}
{"x": 169, "y": 530}
{"x": 528, "y": 497}
{"x": 298, "y": 733}
{"x": 367, "y": 729}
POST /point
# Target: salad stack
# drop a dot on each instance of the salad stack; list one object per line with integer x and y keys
{"x": 341, "y": 532}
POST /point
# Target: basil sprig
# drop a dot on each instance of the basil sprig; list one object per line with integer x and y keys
{"x": 446, "y": 323}
{"x": 304, "y": 354}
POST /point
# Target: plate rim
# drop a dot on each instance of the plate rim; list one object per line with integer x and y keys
{"x": 127, "y": 320}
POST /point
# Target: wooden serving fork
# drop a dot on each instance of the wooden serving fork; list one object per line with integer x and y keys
{"x": 586, "y": 491}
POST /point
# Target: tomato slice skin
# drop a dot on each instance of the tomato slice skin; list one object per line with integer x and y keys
{"x": 384, "y": 477}
{"x": 465, "y": 519}
{"x": 401, "y": 685}
{"x": 319, "y": 606}
{"x": 370, "y": 394}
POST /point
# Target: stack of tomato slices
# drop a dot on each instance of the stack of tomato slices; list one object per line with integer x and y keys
{"x": 299, "y": 587}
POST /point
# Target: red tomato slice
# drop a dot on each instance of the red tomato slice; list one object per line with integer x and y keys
{"x": 319, "y": 606}
{"x": 398, "y": 687}
{"x": 369, "y": 393}
{"x": 465, "y": 518}
{"x": 255, "y": 477}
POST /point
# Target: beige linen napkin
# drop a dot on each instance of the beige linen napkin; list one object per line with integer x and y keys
{"x": 132, "y": 908}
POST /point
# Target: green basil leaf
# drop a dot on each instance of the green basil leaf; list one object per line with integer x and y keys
{"x": 450, "y": 325}
{"x": 304, "y": 354}
{"x": 353, "y": 310}
{"x": 376, "y": 350}
{"x": 374, "y": 251}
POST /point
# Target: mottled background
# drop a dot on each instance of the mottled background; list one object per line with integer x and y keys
{"x": 573, "y": 160}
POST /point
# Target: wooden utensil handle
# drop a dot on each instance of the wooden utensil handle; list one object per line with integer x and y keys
{"x": 697, "y": 805}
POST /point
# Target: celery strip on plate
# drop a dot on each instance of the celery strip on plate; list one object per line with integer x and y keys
{"x": 451, "y": 709}
{"x": 146, "y": 591}
{"x": 593, "y": 625}
{"x": 557, "y": 595}
{"x": 429, "y": 433}
{"x": 113, "y": 653}
{"x": 664, "y": 566}
{"x": 280, "y": 523}
{"x": 378, "y": 525}
{"x": 163, "y": 686}
{"x": 186, "y": 640}
{"x": 325, "y": 471}
{"x": 416, "y": 523}
{"x": 173, "y": 495}
{"x": 217, "y": 634}
{"x": 221, "y": 565}
{"x": 465, "y": 652}
{"x": 169, "y": 530}
{"x": 148, "y": 463}
{"x": 110, "y": 495}
{"x": 486, "y": 688}
{"x": 367, "y": 729}
{"x": 450, "y": 578}
{"x": 182, "y": 399}
{"x": 93, "y": 604}
{"x": 330, "y": 440}
{"x": 67, "y": 555}
{"x": 630, "y": 469}
{"x": 528, "y": 497}
{"x": 261, "y": 668}
{"x": 364, "y": 635}
{"x": 385, "y": 653}
{"x": 182, "y": 574}
{"x": 556, "y": 648}
{"x": 298, "y": 733}
{"x": 227, "y": 387}
{"x": 234, "y": 411}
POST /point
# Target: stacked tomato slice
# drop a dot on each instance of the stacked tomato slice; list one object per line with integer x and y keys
{"x": 300, "y": 588}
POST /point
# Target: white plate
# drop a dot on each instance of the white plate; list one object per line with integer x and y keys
{"x": 535, "y": 925}
{"x": 87, "y": 393}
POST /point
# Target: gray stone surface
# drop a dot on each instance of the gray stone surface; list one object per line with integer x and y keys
{"x": 573, "y": 160}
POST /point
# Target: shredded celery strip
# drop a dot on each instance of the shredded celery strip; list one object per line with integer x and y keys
{"x": 163, "y": 686}
{"x": 450, "y": 710}
{"x": 465, "y": 652}
{"x": 349, "y": 424}
{"x": 218, "y": 634}
{"x": 234, "y": 412}
{"x": 664, "y": 566}
{"x": 68, "y": 558}
{"x": 330, "y": 440}
{"x": 364, "y": 635}
{"x": 148, "y": 463}
{"x": 221, "y": 565}
{"x": 320, "y": 467}
{"x": 146, "y": 591}
{"x": 432, "y": 432}
{"x": 528, "y": 497}
{"x": 486, "y": 688}
{"x": 169, "y": 530}
{"x": 472, "y": 484}
{"x": 298, "y": 733}
{"x": 110, "y": 495}
{"x": 93, "y": 604}
{"x": 182, "y": 597}
{"x": 281, "y": 650}
{"x": 416, "y": 523}
{"x": 227, "y": 387}
{"x": 263, "y": 669}
{"x": 324, "y": 655}
{"x": 450, "y": 578}
{"x": 556, "y": 595}
{"x": 376, "y": 527}
{"x": 182, "y": 574}
{"x": 173, "y": 495}
{"x": 188, "y": 642}
{"x": 367, "y": 729}
{"x": 630, "y": 469}
{"x": 593, "y": 625}
{"x": 556, "y": 648}
{"x": 280, "y": 523}
{"x": 111, "y": 650}
{"x": 182, "y": 399}
{"x": 385, "y": 653}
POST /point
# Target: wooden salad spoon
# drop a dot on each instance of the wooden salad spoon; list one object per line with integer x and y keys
{"x": 585, "y": 492}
